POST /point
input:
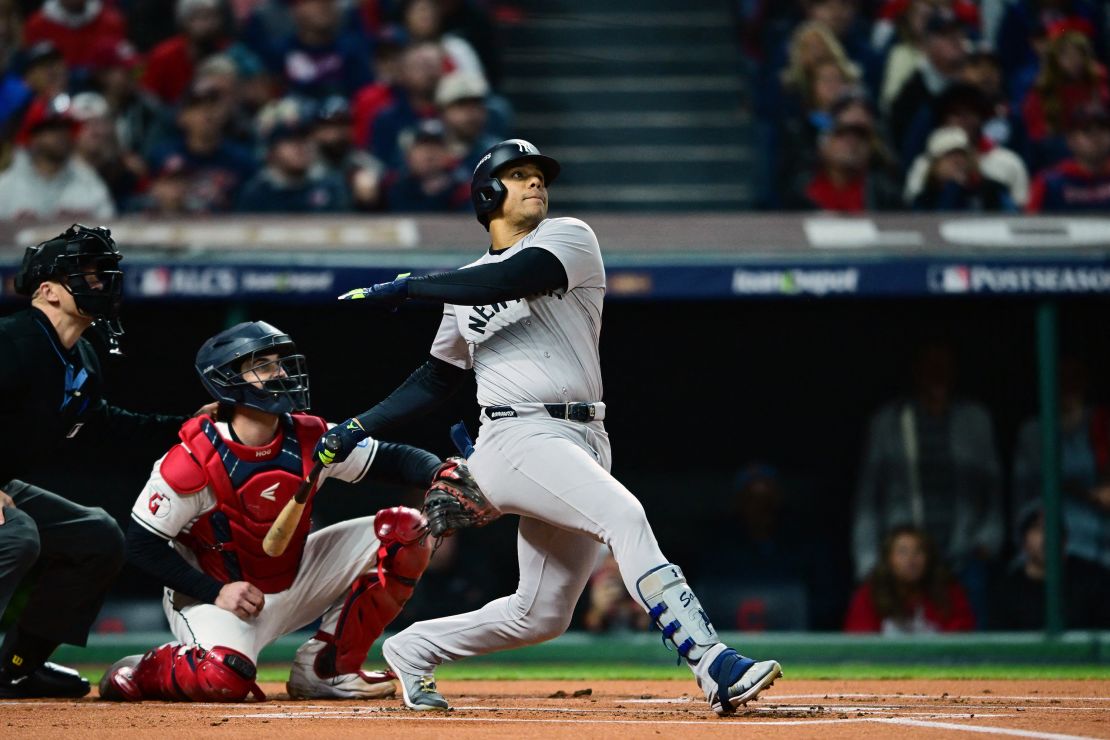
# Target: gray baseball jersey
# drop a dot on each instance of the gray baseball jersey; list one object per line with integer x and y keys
{"x": 539, "y": 349}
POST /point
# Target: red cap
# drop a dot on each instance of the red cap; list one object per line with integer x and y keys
{"x": 45, "y": 112}
{"x": 110, "y": 54}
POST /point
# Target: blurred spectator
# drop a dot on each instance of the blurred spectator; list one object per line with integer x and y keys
{"x": 1022, "y": 36}
{"x": 430, "y": 179}
{"x": 413, "y": 101}
{"x": 785, "y": 587}
{"x": 911, "y": 117}
{"x": 98, "y": 145}
{"x": 903, "y": 22}
{"x": 75, "y": 27}
{"x": 1084, "y": 466}
{"x": 369, "y": 101}
{"x": 257, "y": 86}
{"x": 852, "y": 32}
{"x": 811, "y": 45}
{"x": 1002, "y": 126}
{"x": 220, "y": 74}
{"x": 930, "y": 460}
{"x": 461, "y": 99}
{"x": 333, "y": 135}
{"x": 172, "y": 63}
{"x": 14, "y": 93}
{"x": 217, "y": 166}
{"x": 170, "y": 192}
{"x": 610, "y": 608}
{"x": 473, "y": 22}
{"x": 1084, "y": 440}
{"x": 321, "y": 57}
{"x": 139, "y": 119}
{"x": 827, "y": 82}
{"x": 1070, "y": 79}
{"x": 909, "y": 592}
{"x": 848, "y": 177}
{"x": 1019, "y": 595}
{"x": 953, "y": 180}
{"x": 423, "y": 21}
{"x": 45, "y": 180}
{"x": 1081, "y": 183}
{"x": 964, "y": 106}
{"x": 292, "y": 180}
{"x": 44, "y": 75}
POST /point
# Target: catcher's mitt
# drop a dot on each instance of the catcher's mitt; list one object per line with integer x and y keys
{"x": 455, "y": 501}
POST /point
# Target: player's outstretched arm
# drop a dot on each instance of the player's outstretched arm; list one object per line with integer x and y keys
{"x": 430, "y": 385}
{"x": 527, "y": 273}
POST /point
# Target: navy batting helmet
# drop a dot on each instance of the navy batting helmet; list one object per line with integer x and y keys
{"x": 486, "y": 191}
{"x": 227, "y": 367}
{"x": 72, "y": 258}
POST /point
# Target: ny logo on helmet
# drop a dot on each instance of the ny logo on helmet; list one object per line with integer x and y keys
{"x": 525, "y": 146}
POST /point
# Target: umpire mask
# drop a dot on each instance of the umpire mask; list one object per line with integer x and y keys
{"x": 85, "y": 261}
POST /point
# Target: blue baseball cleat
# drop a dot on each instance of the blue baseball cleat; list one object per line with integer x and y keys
{"x": 736, "y": 680}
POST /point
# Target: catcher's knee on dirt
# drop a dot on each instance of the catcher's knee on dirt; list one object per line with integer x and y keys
{"x": 375, "y": 599}
{"x": 176, "y": 672}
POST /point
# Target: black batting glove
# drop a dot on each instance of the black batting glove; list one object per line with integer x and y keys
{"x": 339, "y": 442}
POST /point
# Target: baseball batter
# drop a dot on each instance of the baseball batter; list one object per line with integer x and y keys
{"x": 199, "y": 523}
{"x": 526, "y": 318}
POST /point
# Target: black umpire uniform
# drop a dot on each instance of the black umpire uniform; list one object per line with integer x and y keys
{"x": 51, "y": 394}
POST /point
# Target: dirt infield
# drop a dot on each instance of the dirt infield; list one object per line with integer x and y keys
{"x": 829, "y": 709}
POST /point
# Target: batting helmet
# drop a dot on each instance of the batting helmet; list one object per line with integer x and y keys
{"x": 221, "y": 361}
{"x": 71, "y": 259}
{"x": 487, "y": 193}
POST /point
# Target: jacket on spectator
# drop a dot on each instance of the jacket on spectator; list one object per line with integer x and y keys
{"x": 170, "y": 67}
{"x": 996, "y": 162}
{"x": 889, "y": 490}
{"x": 269, "y": 192}
{"x": 927, "y": 617}
{"x": 75, "y": 192}
{"x": 1069, "y": 186}
{"x": 982, "y": 195}
{"x": 76, "y": 36}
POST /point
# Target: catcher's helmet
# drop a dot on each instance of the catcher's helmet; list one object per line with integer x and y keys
{"x": 71, "y": 259}
{"x": 221, "y": 360}
{"x": 486, "y": 191}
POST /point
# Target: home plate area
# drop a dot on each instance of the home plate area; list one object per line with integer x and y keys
{"x": 848, "y": 709}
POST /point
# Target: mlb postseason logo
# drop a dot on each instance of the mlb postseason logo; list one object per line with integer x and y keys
{"x": 1018, "y": 279}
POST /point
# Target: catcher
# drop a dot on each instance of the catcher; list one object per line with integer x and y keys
{"x": 198, "y": 526}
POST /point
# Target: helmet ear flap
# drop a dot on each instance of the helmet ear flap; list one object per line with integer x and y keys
{"x": 489, "y": 196}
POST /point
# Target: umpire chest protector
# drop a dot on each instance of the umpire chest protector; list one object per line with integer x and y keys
{"x": 251, "y": 485}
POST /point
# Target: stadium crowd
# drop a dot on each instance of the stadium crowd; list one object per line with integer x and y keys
{"x": 931, "y": 105}
{"x": 206, "y": 106}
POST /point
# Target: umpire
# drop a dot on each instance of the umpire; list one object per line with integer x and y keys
{"x": 51, "y": 386}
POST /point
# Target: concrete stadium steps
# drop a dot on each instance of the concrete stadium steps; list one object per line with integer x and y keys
{"x": 642, "y": 102}
{"x": 652, "y": 59}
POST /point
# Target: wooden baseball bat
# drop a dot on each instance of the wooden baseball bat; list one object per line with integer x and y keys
{"x": 281, "y": 531}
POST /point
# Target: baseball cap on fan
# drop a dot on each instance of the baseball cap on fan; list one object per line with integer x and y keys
{"x": 947, "y": 139}
{"x": 460, "y": 85}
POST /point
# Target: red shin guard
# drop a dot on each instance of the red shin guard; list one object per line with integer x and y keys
{"x": 375, "y": 599}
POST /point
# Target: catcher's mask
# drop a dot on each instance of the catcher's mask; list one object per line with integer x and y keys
{"x": 232, "y": 369}
{"x": 85, "y": 261}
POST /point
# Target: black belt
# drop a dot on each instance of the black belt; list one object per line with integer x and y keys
{"x": 582, "y": 411}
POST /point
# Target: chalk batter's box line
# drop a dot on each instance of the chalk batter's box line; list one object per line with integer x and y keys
{"x": 731, "y": 726}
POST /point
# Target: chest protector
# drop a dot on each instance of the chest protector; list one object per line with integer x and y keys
{"x": 252, "y": 485}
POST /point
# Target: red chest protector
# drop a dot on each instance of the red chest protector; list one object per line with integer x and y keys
{"x": 252, "y": 485}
